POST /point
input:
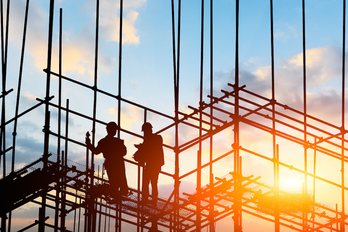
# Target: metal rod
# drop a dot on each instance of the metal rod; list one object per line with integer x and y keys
{"x": 7, "y": 28}
{"x": 237, "y": 206}
{"x": 176, "y": 116}
{"x": 19, "y": 83}
{"x": 275, "y": 155}
{"x": 211, "y": 176}
{"x": 314, "y": 179}
{"x": 199, "y": 153}
{"x": 343, "y": 114}
{"x": 79, "y": 220}
{"x": 56, "y": 217}
{"x": 4, "y": 66}
{"x": 74, "y": 225}
{"x": 100, "y": 209}
{"x": 304, "y": 106}
{"x": 65, "y": 164}
{"x": 176, "y": 103}
{"x": 47, "y": 114}
{"x": 120, "y": 68}
{"x": 93, "y": 214}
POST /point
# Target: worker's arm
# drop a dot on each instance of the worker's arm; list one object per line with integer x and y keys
{"x": 123, "y": 148}
{"x": 94, "y": 150}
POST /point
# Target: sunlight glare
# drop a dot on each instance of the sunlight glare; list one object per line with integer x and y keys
{"x": 291, "y": 184}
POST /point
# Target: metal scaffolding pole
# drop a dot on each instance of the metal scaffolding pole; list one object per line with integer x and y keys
{"x": 305, "y": 213}
{"x": 343, "y": 130}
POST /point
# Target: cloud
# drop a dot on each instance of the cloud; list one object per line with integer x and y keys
{"x": 110, "y": 21}
{"x": 322, "y": 64}
{"x": 130, "y": 116}
{"x": 74, "y": 55}
{"x": 78, "y": 48}
{"x": 323, "y": 70}
{"x": 78, "y": 55}
{"x": 29, "y": 96}
{"x": 285, "y": 31}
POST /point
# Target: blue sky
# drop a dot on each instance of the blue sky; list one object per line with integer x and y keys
{"x": 147, "y": 69}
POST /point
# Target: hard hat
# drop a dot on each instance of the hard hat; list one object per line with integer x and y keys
{"x": 112, "y": 126}
{"x": 146, "y": 126}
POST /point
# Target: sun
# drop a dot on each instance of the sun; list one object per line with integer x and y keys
{"x": 291, "y": 184}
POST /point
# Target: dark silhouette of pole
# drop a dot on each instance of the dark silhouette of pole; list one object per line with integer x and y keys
{"x": 4, "y": 49}
{"x": 304, "y": 107}
{"x": 47, "y": 113}
{"x": 118, "y": 211}
{"x": 237, "y": 205}
{"x": 120, "y": 69}
{"x": 275, "y": 153}
{"x": 93, "y": 206}
{"x": 199, "y": 153}
{"x": 176, "y": 72}
{"x": 211, "y": 176}
{"x": 65, "y": 165}
{"x": 56, "y": 216}
{"x": 343, "y": 131}
{"x": 19, "y": 84}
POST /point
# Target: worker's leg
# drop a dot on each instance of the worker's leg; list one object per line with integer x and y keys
{"x": 154, "y": 183}
{"x": 123, "y": 184}
{"x": 146, "y": 181}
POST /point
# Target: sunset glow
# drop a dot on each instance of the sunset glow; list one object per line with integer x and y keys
{"x": 248, "y": 97}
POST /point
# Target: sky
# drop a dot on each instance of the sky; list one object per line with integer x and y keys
{"x": 147, "y": 79}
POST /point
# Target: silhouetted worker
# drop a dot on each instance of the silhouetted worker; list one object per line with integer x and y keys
{"x": 152, "y": 147}
{"x": 113, "y": 150}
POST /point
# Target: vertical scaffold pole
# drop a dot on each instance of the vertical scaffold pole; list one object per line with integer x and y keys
{"x": 4, "y": 49}
{"x": 120, "y": 67}
{"x": 343, "y": 131}
{"x": 95, "y": 87}
{"x": 199, "y": 153}
{"x": 273, "y": 101}
{"x": 14, "y": 134}
{"x": 19, "y": 83}
{"x": 65, "y": 165}
{"x": 237, "y": 205}
{"x": 42, "y": 211}
{"x": 314, "y": 177}
{"x": 56, "y": 216}
{"x": 118, "y": 208}
{"x": 304, "y": 109}
{"x": 211, "y": 176}
{"x": 176, "y": 71}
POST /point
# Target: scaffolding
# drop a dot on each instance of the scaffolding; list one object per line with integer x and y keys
{"x": 80, "y": 194}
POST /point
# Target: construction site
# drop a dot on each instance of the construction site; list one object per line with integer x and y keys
{"x": 70, "y": 194}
